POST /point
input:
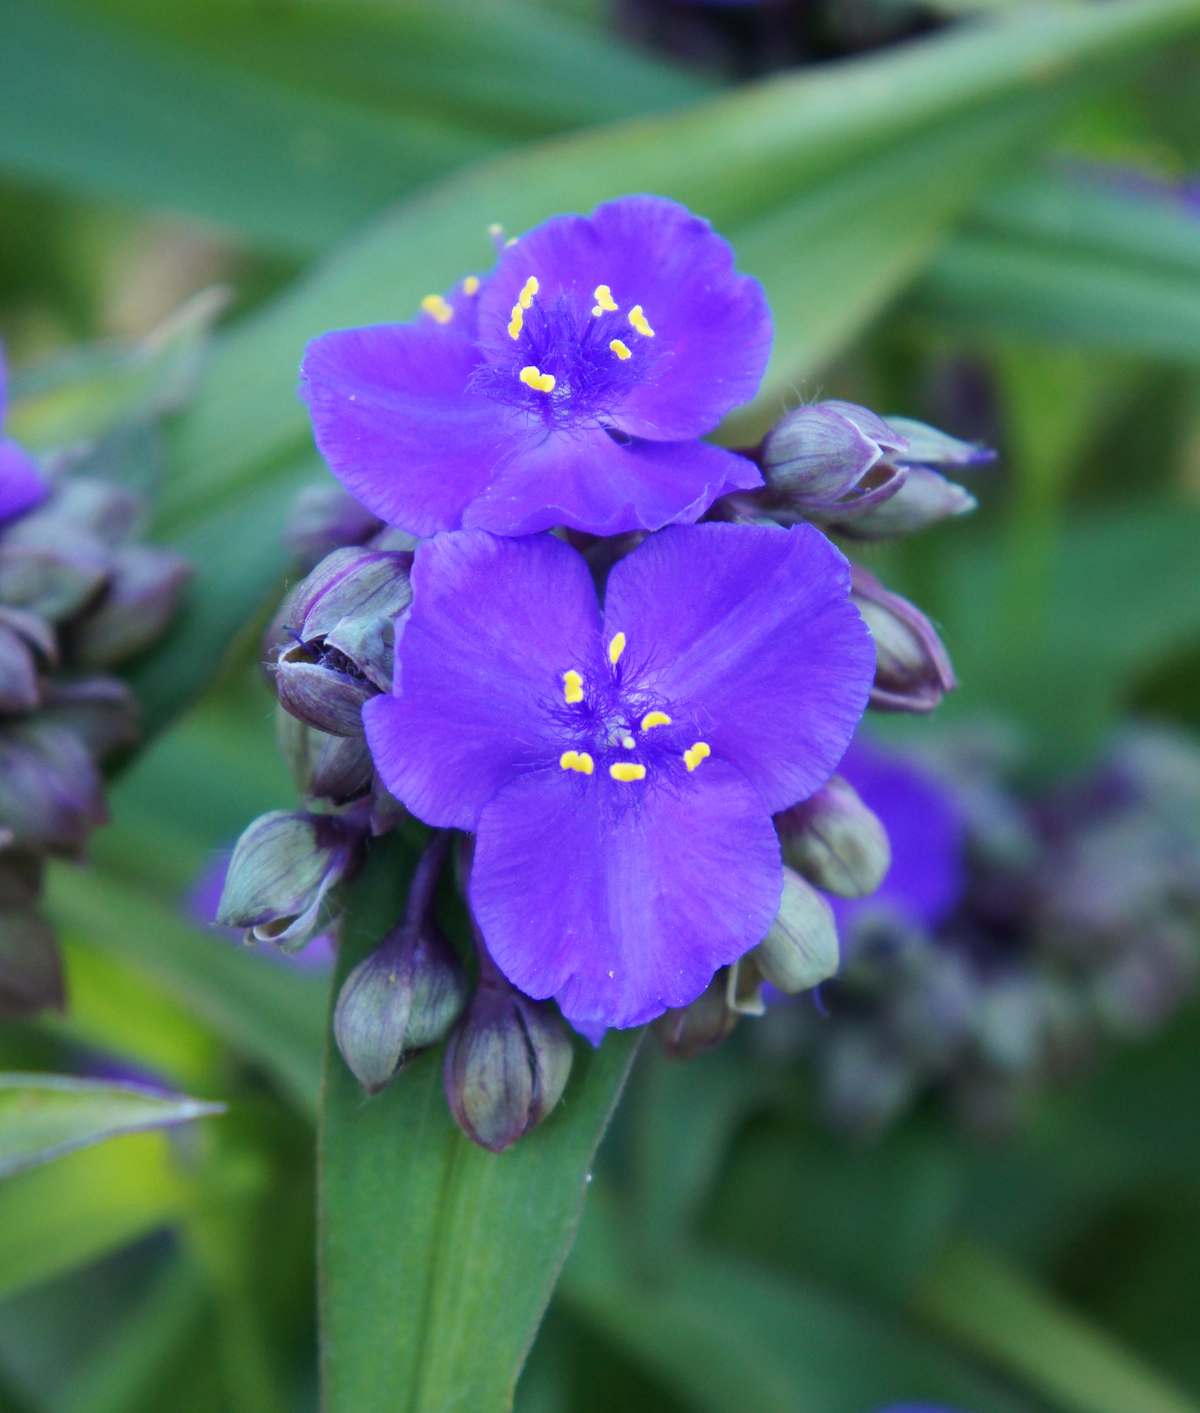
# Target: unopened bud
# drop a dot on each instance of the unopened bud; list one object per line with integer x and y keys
{"x": 689, "y": 1031}
{"x": 801, "y": 949}
{"x": 912, "y": 668}
{"x": 108, "y": 511}
{"x": 834, "y": 840}
{"x": 142, "y": 593}
{"x": 925, "y": 498}
{"x": 928, "y": 446}
{"x": 282, "y": 874}
{"x": 102, "y": 712}
{"x": 325, "y": 767}
{"x": 20, "y": 689}
{"x": 506, "y": 1064}
{"x": 50, "y": 569}
{"x": 816, "y": 455}
{"x": 51, "y": 795}
{"x": 324, "y": 518}
{"x": 31, "y": 978}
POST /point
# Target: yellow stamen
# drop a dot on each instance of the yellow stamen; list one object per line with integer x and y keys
{"x": 620, "y": 349}
{"x": 471, "y": 284}
{"x": 578, "y": 761}
{"x": 616, "y": 647}
{"x": 533, "y": 377}
{"x": 628, "y": 742}
{"x": 516, "y": 323}
{"x": 605, "y": 303}
{"x": 695, "y": 754}
{"x": 572, "y": 687}
{"x": 437, "y": 308}
{"x": 655, "y": 718}
{"x": 640, "y": 322}
{"x": 528, "y": 290}
{"x": 627, "y": 771}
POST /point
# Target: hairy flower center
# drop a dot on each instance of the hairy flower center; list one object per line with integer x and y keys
{"x": 618, "y": 728}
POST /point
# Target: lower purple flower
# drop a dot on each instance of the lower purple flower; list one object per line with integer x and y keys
{"x": 21, "y": 483}
{"x": 620, "y": 767}
{"x": 926, "y": 830}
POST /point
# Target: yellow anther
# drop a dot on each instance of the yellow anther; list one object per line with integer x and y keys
{"x": 578, "y": 761}
{"x": 471, "y": 284}
{"x": 640, "y": 322}
{"x": 628, "y": 742}
{"x": 572, "y": 687}
{"x": 627, "y": 771}
{"x": 605, "y": 303}
{"x": 620, "y": 349}
{"x": 533, "y": 377}
{"x": 517, "y": 322}
{"x": 616, "y": 647}
{"x": 437, "y": 308}
{"x": 695, "y": 754}
{"x": 528, "y": 290}
{"x": 655, "y": 718}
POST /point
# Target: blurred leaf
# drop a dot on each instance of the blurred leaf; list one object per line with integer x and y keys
{"x": 1074, "y": 260}
{"x": 725, "y": 1334}
{"x": 44, "y": 1116}
{"x": 991, "y": 1308}
{"x": 437, "y": 1258}
{"x": 67, "y": 1213}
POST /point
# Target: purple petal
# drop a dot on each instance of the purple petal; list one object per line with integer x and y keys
{"x": 712, "y": 326}
{"x": 623, "y": 905}
{"x": 393, "y": 418}
{"x": 754, "y": 629}
{"x": 925, "y": 827}
{"x": 493, "y": 626}
{"x": 21, "y": 483}
{"x": 584, "y": 479}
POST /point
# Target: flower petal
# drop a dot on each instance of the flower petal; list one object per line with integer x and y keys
{"x": 493, "y": 626}
{"x": 750, "y": 628}
{"x": 393, "y": 418}
{"x": 623, "y": 905}
{"x": 21, "y": 483}
{"x": 584, "y": 479}
{"x": 711, "y": 326}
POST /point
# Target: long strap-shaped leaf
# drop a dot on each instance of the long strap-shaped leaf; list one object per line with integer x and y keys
{"x": 437, "y": 1259}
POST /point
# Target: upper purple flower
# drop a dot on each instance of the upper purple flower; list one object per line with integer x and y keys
{"x": 925, "y": 828}
{"x": 21, "y": 483}
{"x": 568, "y": 389}
{"x": 621, "y": 766}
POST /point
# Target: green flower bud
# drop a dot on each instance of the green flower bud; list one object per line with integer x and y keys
{"x": 101, "y": 711}
{"x": 51, "y": 795}
{"x": 143, "y": 591}
{"x": 51, "y": 569}
{"x": 336, "y": 768}
{"x": 691, "y": 1030}
{"x": 801, "y": 949}
{"x": 835, "y": 841}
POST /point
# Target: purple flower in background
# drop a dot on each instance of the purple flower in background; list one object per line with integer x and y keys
{"x": 926, "y": 830}
{"x": 621, "y": 767}
{"x": 21, "y": 483}
{"x": 571, "y": 391}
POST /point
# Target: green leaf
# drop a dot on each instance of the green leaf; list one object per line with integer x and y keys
{"x": 43, "y": 1116}
{"x": 437, "y": 1258}
{"x": 64, "y": 1214}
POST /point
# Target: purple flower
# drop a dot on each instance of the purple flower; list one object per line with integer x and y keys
{"x": 21, "y": 483}
{"x": 926, "y": 831}
{"x": 570, "y": 390}
{"x": 620, "y": 767}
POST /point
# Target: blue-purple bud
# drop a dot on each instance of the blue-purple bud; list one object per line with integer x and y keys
{"x": 102, "y": 712}
{"x": 20, "y": 685}
{"x": 283, "y": 873}
{"x": 51, "y": 796}
{"x": 801, "y": 949}
{"x": 912, "y": 668}
{"x": 50, "y": 568}
{"x": 139, "y": 599}
{"x": 835, "y": 841}
{"x": 506, "y": 1065}
{"x": 691, "y": 1030}
{"x": 324, "y": 767}
{"x": 924, "y": 498}
{"x": 817, "y": 455}
{"x": 927, "y": 446}
{"x": 324, "y": 518}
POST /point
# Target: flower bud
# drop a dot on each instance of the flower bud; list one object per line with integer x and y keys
{"x": 343, "y": 626}
{"x": 912, "y": 668}
{"x": 109, "y": 512}
{"x": 801, "y": 949}
{"x": 101, "y": 711}
{"x": 405, "y": 996}
{"x": 817, "y": 454}
{"x": 141, "y": 596}
{"x": 324, "y": 518}
{"x": 336, "y": 768}
{"x": 506, "y": 1064}
{"x": 20, "y": 689}
{"x": 927, "y": 446}
{"x": 689, "y": 1031}
{"x": 923, "y": 499}
{"x": 282, "y": 874}
{"x": 51, "y": 569}
{"x": 834, "y": 840}
{"x": 51, "y": 796}
{"x": 31, "y": 978}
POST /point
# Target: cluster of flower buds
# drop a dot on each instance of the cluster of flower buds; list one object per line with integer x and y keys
{"x": 1076, "y": 921}
{"x": 80, "y": 595}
